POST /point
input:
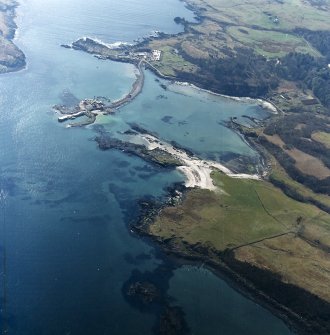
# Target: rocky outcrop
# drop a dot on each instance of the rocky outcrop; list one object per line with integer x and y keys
{"x": 144, "y": 291}
{"x": 156, "y": 156}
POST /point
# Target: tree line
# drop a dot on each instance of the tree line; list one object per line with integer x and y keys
{"x": 244, "y": 73}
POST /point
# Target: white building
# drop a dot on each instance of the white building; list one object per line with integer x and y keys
{"x": 156, "y": 55}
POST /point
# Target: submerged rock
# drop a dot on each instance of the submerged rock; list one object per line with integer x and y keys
{"x": 145, "y": 292}
{"x": 172, "y": 322}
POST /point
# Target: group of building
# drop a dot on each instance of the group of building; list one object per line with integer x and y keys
{"x": 154, "y": 55}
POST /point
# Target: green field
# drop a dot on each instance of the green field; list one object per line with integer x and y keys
{"x": 263, "y": 227}
{"x": 279, "y": 175}
{"x": 171, "y": 61}
{"x": 266, "y": 27}
{"x": 322, "y": 137}
{"x": 291, "y": 13}
{"x": 271, "y": 43}
{"x": 244, "y": 212}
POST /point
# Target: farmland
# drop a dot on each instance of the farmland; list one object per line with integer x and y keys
{"x": 257, "y": 221}
{"x": 268, "y": 28}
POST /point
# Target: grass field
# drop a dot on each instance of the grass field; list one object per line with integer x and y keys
{"x": 322, "y": 137}
{"x": 279, "y": 175}
{"x": 171, "y": 61}
{"x": 271, "y": 43}
{"x": 295, "y": 260}
{"x": 256, "y": 220}
{"x": 266, "y": 27}
{"x": 244, "y": 212}
{"x": 291, "y": 14}
{"x": 306, "y": 163}
{"x": 261, "y": 224}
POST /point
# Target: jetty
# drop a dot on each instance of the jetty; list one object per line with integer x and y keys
{"x": 135, "y": 91}
{"x": 91, "y": 108}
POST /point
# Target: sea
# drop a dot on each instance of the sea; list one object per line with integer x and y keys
{"x": 66, "y": 248}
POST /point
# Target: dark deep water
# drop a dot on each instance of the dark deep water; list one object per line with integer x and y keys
{"x": 65, "y": 205}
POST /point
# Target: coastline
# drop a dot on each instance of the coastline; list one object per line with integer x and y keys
{"x": 12, "y": 59}
{"x": 221, "y": 262}
{"x": 91, "y": 108}
{"x": 261, "y": 102}
{"x": 224, "y": 265}
{"x": 103, "y": 50}
{"x": 233, "y": 279}
{"x": 222, "y": 269}
{"x": 246, "y": 277}
{"x": 290, "y": 317}
{"x": 197, "y": 171}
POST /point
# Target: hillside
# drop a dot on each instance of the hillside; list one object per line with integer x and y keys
{"x": 11, "y": 57}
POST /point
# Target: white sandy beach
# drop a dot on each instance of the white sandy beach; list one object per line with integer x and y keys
{"x": 197, "y": 171}
{"x": 263, "y": 103}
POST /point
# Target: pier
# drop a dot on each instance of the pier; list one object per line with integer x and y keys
{"x": 90, "y": 108}
{"x": 135, "y": 91}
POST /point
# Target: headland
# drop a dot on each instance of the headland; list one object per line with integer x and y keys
{"x": 11, "y": 57}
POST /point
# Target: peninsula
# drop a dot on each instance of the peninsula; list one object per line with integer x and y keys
{"x": 11, "y": 57}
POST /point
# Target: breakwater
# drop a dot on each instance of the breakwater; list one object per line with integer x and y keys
{"x": 91, "y": 108}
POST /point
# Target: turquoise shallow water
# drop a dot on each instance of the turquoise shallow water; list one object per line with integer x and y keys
{"x": 192, "y": 118}
{"x": 64, "y": 220}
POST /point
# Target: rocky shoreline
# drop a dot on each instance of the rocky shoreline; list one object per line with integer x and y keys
{"x": 136, "y": 54}
{"x": 158, "y": 157}
{"x": 257, "y": 284}
{"x": 88, "y": 107}
{"x": 11, "y": 57}
{"x": 148, "y": 147}
{"x": 263, "y": 286}
{"x": 147, "y": 292}
{"x": 91, "y": 108}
